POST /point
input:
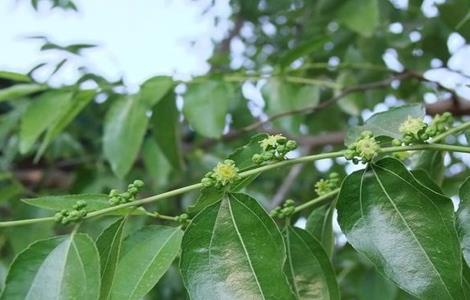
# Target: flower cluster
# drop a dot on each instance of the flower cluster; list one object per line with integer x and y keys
{"x": 287, "y": 209}
{"x": 76, "y": 214}
{"x": 324, "y": 186}
{"x": 223, "y": 174}
{"x": 364, "y": 149}
{"x": 274, "y": 147}
{"x": 415, "y": 130}
{"x": 116, "y": 198}
{"x": 183, "y": 218}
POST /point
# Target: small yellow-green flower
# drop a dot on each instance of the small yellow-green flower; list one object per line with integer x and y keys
{"x": 322, "y": 187}
{"x": 271, "y": 141}
{"x": 412, "y": 126}
{"x": 367, "y": 147}
{"x": 226, "y": 172}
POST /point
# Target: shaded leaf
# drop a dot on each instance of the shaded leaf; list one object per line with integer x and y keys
{"x": 234, "y": 250}
{"x": 432, "y": 162}
{"x": 146, "y": 256}
{"x": 320, "y": 225}
{"x": 361, "y": 16}
{"x": 109, "y": 247}
{"x": 463, "y": 219}
{"x": 155, "y": 163}
{"x": 153, "y": 90}
{"x": 57, "y": 268}
{"x": 418, "y": 251}
{"x": 308, "y": 267}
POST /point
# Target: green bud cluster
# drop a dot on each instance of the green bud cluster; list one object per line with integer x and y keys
{"x": 66, "y": 216}
{"x": 274, "y": 147}
{"x": 223, "y": 174}
{"x": 116, "y": 198}
{"x": 324, "y": 186}
{"x": 364, "y": 149}
{"x": 287, "y": 209}
{"x": 183, "y": 218}
{"x": 416, "y": 131}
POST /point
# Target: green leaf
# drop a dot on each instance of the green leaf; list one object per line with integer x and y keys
{"x": 242, "y": 156}
{"x": 308, "y": 267}
{"x": 361, "y": 16}
{"x": 386, "y": 123}
{"x": 207, "y": 197}
{"x": 282, "y": 97}
{"x": 40, "y": 114}
{"x": 20, "y": 90}
{"x": 373, "y": 286}
{"x": 57, "y": 268}
{"x": 432, "y": 162}
{"x": 320, "y": 225}
{"x": 109, "y": 247}
{"x": 166, "y": 129}
{"x": 456, "y": 14}
{"x": 79, "y": 101}
{"x": 13, "y": 76}
{"x": 124, "y": 128}
{"x": 155, "y": 163}
{"x": 289, "y": 56}
{"x": 146, "y": 256}
{"x": 205, "y": 107}
{"x": 234, "y": 250}
{"x": 463, "y": 219}
{"x": 154, "y": 89}
{"x": 407, "y": 232}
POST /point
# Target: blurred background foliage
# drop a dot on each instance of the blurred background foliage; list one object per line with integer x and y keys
{"x": 306, "y": 69}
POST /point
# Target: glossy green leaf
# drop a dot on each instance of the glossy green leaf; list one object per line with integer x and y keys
{"x": 109, "y": 247}
{"x": 234, "y": 250}
{"x": 308, "y": 267}
{"x": 432, "y": 162}
{"x": 166, "y": 129}
{"x": 320, "y": 225}
{"x": 20, "y": 90}
{"x": 40, "y": 114}
{"x": 373, "y": 286}
{"x": 361, "y": 16}
{"x": 386, "y": 123}
{"x": 207, "y": 197}
{"x": 146, "y": 256}
{"x": 463, "y": 219}
{"x": 205, "y": 107}
{"x": 418, "y": 251}
{"x": 79, "y": 101}
{"x": 124, "y": 129}
{"x": 281, "y": 96}
{"x": 57, "y": 268}
{"x": 154, "y": 89}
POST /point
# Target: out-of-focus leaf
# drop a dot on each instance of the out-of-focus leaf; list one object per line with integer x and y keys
{"x": 282, "y": 96}
{"x": 301, "y": 50}
{"x": 146, "y": 256}
{"x": 308, "y": 267}
{"x": 20, "y": 90}
{"x": 124, "y": 128}
{"x": 419, "y": 252}
{"x": 234, "y": 250}
{"x": 155, "y": 163}
{"x": 154, "y": 89}
{"x": 242, "y": 156}
{"x": 40, "y": 114}
{"x": 361, "y": 16}
{"x": 58, "y": 268}
{"x": 109, "y": 247}
{"x": 79, "y": 101}
{"x": 205, "y": 107}
{"x": 386, "y": 123}
{"x": 166, "y": 129}
{"x": 456, "y": 14}
{"x": 13, "y": 76}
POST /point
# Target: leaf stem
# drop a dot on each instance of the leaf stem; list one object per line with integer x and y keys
{"x": 299, "y": 160}
{"x": 316, "y": 202}
{"x": 451, "y": 131}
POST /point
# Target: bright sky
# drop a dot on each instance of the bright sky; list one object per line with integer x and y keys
{"x": 138, "y": 39}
